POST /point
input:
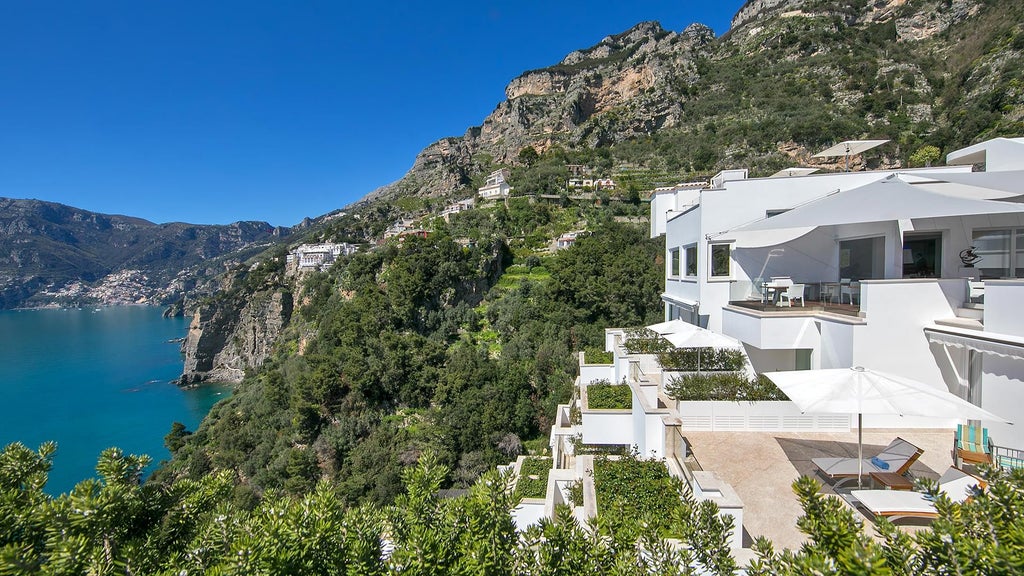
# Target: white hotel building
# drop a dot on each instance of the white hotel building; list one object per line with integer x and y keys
{"x": 883, "y": 259}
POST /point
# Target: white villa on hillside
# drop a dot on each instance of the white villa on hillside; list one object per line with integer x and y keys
{"x": 318, "y": 256}
{"x": 915, "y": 273}
{"x": 496, "y": 186}
{"x": 918, "y": 272}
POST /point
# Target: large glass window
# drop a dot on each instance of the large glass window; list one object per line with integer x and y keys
{"x": 995, "y": 248}
{"x": 675, "y": 266}
{"x": 862, "y": 258}
{"x": 691, "y": 261}
{"x": 1019, "y": 259}
{"x": 720, "y": 260}
{"x": 922, "y": 256}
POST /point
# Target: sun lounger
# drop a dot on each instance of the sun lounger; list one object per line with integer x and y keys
{"x": 897, "y": 457}
{"x": 956, "y": 484}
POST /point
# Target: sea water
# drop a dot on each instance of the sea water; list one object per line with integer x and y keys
{"x": 91, "y": 379}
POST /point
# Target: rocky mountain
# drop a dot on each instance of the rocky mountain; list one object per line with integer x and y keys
{"x": 789, "y": 77}
{"x": 56, "y": 254}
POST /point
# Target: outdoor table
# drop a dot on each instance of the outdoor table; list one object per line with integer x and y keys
{"x": 773, "y": 289}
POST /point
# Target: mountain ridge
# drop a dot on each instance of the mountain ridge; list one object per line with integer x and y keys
{"x": 52, "y": 253}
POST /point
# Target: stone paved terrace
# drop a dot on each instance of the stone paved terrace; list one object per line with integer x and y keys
{"x": 761, "y": 467}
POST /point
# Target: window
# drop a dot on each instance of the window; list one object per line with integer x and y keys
{"x": 720, "y": 260}
{"x": 675, "y": 265}
{"x": 773, "y": 213}
{"x": 862, "y": 258}
{"x": 922, "y": 256}
{"x": 691, "y": 261}
{"x": 803, "y": 359}
{"x": 1001, "y": 251}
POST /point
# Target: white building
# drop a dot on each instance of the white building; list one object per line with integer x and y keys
{"x": 568, "y": 239}
{"x": 883, "y": 259}
{"x": 496, "y": 186}
{"x": 457, "y": 207}
{"x": 318, "y": 256}
{"x": 399, "y": 228}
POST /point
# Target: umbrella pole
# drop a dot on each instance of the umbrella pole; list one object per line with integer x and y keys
{"x": 860, "y": 449}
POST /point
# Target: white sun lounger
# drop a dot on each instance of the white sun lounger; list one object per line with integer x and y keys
{"x": 956, "y": 484}
{"x": 900, "y": 455}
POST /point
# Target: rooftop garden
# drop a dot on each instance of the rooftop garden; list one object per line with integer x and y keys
{"x": 533, "y": 478}
{"x": 603, "y": 395}
{"x": 633, "y": 489}
{"x": 595, "y": 355}
{"x": 727, "y": 386}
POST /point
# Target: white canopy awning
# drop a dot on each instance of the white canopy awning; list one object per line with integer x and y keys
{"x": 1002, "y": 184}
{"x": 889, "y": 199}
{"x": 979, "y": 343}
{"x": 795, "y": 171}
{"x": 849, "y": 148}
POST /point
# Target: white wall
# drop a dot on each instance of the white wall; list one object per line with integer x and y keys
{"x": 608, "y": 427}
{"x": 1002, "y": 390}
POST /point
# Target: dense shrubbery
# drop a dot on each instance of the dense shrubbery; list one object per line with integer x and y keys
{"x": 115, "y": 525}
{"x": 418, "y": 346}
{"x": 728, "y": 386}
{"x": 636, "y": 490}
{"x": 706, "y": 359}
{"x": 607, "y": 396}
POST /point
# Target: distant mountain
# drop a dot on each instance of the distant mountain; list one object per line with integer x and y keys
{"x": 790, "y": 77}
{"x": 56, "y": 254}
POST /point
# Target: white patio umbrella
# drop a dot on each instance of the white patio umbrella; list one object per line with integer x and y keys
{"x": 671, "y": 327}
{"x": 862, "y": 391}
{"x": 699, "y": 338}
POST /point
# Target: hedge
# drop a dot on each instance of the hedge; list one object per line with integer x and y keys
{"x": 602, "y": 396}
{"x": 710, "y": 360}
{"x": 728, "y": 386}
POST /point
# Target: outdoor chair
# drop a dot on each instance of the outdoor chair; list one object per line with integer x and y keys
{"x": 897, "y": 457}
{"x": 849, "y": 290}
{"x": 794, "y": 292}
{"x": 956, "y": 484}
{"x": 971, "y": 445}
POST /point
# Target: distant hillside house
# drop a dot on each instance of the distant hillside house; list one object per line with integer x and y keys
{"x": 460, "y": 206}
{"x": 318, "y": 256}
{"x": 577, "y": 182}
{"x": 398, "y": 228}
{"x": 496, "y": 186}
{"x": 568, "y": 239}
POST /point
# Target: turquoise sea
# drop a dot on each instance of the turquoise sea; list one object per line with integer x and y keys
{"x": 91, "y": 379}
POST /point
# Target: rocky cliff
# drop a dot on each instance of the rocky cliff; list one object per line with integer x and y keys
{"x": 226, "y": 337}
{"x": 791, "y": 75}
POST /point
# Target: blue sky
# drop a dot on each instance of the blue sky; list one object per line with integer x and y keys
{"x": 212, "y": 112}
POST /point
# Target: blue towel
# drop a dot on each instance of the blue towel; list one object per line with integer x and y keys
{"x": 879, "y": 463}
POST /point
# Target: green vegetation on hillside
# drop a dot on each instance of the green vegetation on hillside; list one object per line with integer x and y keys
{"x": 421, "y": 345}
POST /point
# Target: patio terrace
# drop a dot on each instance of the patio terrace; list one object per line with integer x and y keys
{"x": 761, "y": 468}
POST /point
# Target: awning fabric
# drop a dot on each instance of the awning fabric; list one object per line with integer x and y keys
{"x": 1002, "y": 184}
{"x": 976, "y": 343}
{"x": 889, "y": 199}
